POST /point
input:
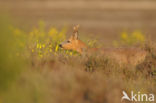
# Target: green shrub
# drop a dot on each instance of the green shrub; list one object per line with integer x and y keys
{"x": 10, "y": 61}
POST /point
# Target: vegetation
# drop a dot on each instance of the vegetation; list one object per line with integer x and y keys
{"x": 126, "y": 39}
{"x": 33, "y": 69}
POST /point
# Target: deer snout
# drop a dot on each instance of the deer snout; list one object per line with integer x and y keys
{"x": 60, "y": 45}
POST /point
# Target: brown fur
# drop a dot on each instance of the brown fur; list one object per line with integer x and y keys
{"x": 131, "y": 56}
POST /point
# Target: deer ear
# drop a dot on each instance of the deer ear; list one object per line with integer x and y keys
{"x": 75, "y": 28}
{"x": 75, "y": 33}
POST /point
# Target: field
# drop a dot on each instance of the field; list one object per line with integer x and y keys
{"x": 34, "y": 69}
{"x": 104, "y": 18}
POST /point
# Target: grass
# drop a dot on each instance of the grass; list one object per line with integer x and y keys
{"x": 33, "y": 69}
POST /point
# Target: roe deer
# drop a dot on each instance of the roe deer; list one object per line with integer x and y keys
{"x": 131, "y": 56}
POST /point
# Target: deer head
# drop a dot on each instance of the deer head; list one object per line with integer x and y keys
{"x": 73, "y": 43}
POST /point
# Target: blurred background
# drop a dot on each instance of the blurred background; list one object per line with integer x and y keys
{"x": 103, "y": 18}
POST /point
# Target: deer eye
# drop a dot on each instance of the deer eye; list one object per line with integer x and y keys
{"x": 68, "y": 41}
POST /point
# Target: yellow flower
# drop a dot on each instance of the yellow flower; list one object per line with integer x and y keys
{"x": 43, "y": 45}
{"x": 56, "y": 48}
{"x": 71, "y": 53}
{"x": 124, "y": 36}
{"x": 138, "y": 36}
{"x": 38, "y": 45}
{"x": 32, "y": 50}
{"x": 50, "y": 50}
{"x": 52, "y": 32}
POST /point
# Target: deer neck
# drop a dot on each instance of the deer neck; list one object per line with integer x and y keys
{"x": 82, "y": 48}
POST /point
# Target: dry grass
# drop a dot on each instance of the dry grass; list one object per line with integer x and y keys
{"x": 60, "y": 79}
